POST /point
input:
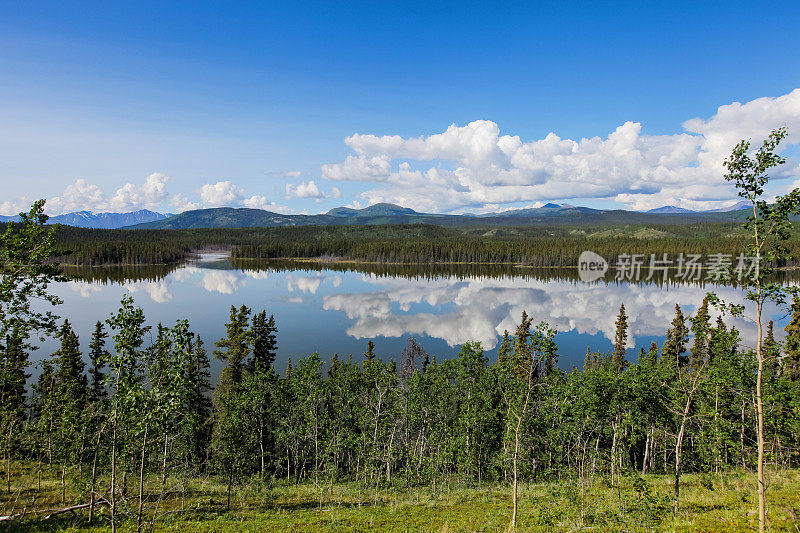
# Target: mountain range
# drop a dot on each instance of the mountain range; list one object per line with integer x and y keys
{"x": 672, "y": 210}
{"x": 384, "y": 213}
{"x": 87, "y": 219}
{"x": 230, "y": 217}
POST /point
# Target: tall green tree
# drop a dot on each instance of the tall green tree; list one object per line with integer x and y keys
{"x": 518, "y": 380}
{"x": 618, "y": 358}
{"x": 677, "y": 338}
{"x": 791, "y": 346}
{"x": 265, "y": 343}
{"x": 771, "y": 350}
{"x": 232, "y": 437}
{"x": 770, "y": 227}
{"x": 198, "y": 407}
{"x": 369, "y": 355}
{"x": 234, "y": 348}
{"x": 98, "y": 355}
{"x": 125, "y": 381}
{"x": 72, "y": 382}
{"x": 45, "y": 407}
{"x": 25, "y": 274}
{"x": 701, "y": 327}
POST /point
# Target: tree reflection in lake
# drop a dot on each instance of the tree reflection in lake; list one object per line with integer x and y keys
{"x": 337, "y": 308}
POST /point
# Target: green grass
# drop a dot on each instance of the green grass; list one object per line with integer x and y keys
{"x": 708, "y": 503}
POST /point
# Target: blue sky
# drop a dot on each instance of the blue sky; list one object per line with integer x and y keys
{"x": 144, "y": 105}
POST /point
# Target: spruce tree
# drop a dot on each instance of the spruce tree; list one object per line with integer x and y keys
{"x": 45, "y": 405}
{"x": 159, "y": 352}
{"x": 369, "y": 355}
{"x": 505, "y": 349}
{"x": 522, "y": 356}
{"x": 677, "y": 337}
{"x": 234, "y": 348}
{"x": 588, "y": 360}
{"x": 13, "y": 376}
{"x": 700, "y": 327}
{"x": 618, "y": 358}
{"x": 70, "y": 379}
{"x": 652, "y": 353}
{"x": 199, "y": 399}
{"x": 334, "y": 366}
{"x": 771, "y": 350}
{"x": 791, "y": 347}
{"x": 98, "y": 356}
{"x": 718, "y": 344}
{"x": 265, "y": 343}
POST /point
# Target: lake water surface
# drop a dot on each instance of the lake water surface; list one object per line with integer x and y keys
{"x": 338, "y": 309}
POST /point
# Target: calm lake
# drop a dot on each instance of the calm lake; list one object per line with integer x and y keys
{"x": 339, "y": 308}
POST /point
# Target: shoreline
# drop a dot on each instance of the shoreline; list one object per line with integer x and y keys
{"x": 343, "y": 261}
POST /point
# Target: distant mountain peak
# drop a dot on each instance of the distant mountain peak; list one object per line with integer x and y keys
{"x": 744, "y": 204}
{"x": 380, "y": 209}
{"x": 674, "y": 210}
{"x": 88, "y": 219}
{"x": 670, "y": 209}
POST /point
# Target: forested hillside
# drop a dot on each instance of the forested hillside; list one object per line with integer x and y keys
{"x": 417, "y": 243}
{"x": 230, "y": 217}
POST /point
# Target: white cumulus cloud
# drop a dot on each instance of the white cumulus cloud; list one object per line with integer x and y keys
{"x": 180, "y": 203}
{"x": 483, "y": 167}
{"x": 221, "y": 193}
{"x": 81, "y": 195}
{"x": 303, "y": 190}
{"x": 310, "y": 190}
{"x": 148, "y": 195}
{"x": 225, "y": 193}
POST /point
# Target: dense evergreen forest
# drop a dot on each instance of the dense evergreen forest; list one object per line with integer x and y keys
{"x": 534, "y": 246}
{"x": 146, "y": 420}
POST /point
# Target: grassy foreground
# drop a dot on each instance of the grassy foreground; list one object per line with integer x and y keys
{"x": 708, "y": 503}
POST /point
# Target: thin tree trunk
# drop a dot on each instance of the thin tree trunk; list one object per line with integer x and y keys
{"x": 141, "y": 480}
{"x": 614, "y": 451}
{"x": 82, "y": 449}
{"x": 94, "y": 476}
{"x": 717, "y": 446}
{"x": 8, "y": 456}
{"x": 114, "y": 474}
{"x": 230, "y": 487}
{"x": 516, "y": 450}
{"x": 682, "y": 432}
{"x": 741, "y": 435}
{"x": 762, "y": 487}
{"x": 678, "y": 446}
{"x": 514, "y": 492}
{"x": 261, "y": 442}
